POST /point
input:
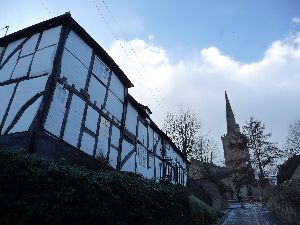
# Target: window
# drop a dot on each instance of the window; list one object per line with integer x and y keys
{"x": 102, "y": 147}
{"x": 142, "y": 134}
{"x": 100, "y": 70}
{"x": 142, "y": 156}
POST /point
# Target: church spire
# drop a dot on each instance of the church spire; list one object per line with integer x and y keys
{"x": 232, "y": 126}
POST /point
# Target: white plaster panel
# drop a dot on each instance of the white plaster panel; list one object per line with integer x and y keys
{"x": 73, "y": 70}
{"x": 74, "y": 120}
{"x": 130, "y": 164}
{"x": 142, "y": 134}
{"x": 102, "y": 147}
{"x": 5, "y": 96}
{"x": 79, "y": 48}
{"x": 30, "y": 45}
{"x": 150, "y": 172}
{"x": 115, "y": 136}
{"x": 114, "y": 106}
{"x": 101, "y": 70}
{"x": 8, "y": 68}
{"x": 97, "y": 91}
{"x": 91, "y": 119}
{"x": 150, "y": 136}
{"x": 57, "y": 110}
{"x": 87, "y": 143}
{"x": 157, "y": 143}
{"x": 43, "y": 61}
{"x": 27, "y": 117}
{"x": 22, "y": 67}
{"x": 141, "y": 159}
{"x": 131, "y": 119}
{"x": 167, "y": 153}
{"x": 25, "y": 91}
{"x": 158, "y": 167}
{"x": 50, "y": 37}
{"x": 11, "y": 47}
{"x": 117, "y": 87}
{"x": 113, "y": 157}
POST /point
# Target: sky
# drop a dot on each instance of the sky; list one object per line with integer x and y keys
{"x": 187, "y": 53}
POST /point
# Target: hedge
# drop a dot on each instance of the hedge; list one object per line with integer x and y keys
{"x": 284, "y": 201}
{"x": 37, "y": 191}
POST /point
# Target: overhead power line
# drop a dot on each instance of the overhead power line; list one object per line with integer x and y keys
{"x": 119, "y": 36}
{"x": 6, "y": 27}
{"x": 46, "y": 8}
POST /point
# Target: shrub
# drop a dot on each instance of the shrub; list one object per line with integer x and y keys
{"x": 201, "y": 213}
{"x": 284, "y": 201}
{"x": 287, "y": 169}
{"x": 36, "y": 191}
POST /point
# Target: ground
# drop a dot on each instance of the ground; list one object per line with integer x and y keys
{"x": 252, "y": 214}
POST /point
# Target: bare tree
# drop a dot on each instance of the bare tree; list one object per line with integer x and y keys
{"x": 185, "y": 130}
{"x": 292, "y": 144}
{"x": 263, "y": 151}
{"x": 204, "y": 148}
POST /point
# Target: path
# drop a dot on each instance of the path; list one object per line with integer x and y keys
{"x": 252, "y": 214}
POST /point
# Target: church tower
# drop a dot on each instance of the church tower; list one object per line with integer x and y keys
{"x": 236, "y": 153}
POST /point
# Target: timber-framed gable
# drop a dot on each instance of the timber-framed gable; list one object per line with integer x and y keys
{"x": 66, "y": 97}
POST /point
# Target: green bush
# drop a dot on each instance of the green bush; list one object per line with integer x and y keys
{"x": 201, "y": 213}
{"x": 36, "y": 191}
{"x": 284, "y": 201}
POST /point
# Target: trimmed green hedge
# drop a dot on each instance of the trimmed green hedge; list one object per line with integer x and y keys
{"x": 36, "y": 191}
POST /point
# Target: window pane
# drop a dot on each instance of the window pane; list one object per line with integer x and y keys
{"x": 100, "y": 70}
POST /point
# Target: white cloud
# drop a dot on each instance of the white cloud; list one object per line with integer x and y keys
{"x": 151, "y": 37}
{"x": 296, "y": 19}
{"x": 268, "y": 89}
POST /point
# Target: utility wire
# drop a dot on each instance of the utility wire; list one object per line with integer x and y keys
{"x": 6, "y": 27}
{"x": 116, "y": 36}
{"x": 46, "y": 8}
{"x": 136, "y": 55}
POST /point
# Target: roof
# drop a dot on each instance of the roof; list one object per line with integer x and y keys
{"x": 142, "y": 111}
{"x": 66, "y": 19}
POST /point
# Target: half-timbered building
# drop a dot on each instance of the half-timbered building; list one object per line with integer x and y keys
{"x": 63, "y": 96}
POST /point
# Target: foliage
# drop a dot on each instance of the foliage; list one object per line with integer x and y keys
{"x": 292, "y": 144}
{"x": 204, "y": 148}
{"x": 284, "y": 201}
{"x": 36, "y": 191}
{"x": 185, "y": 130}
{"x": 263, "y": 151}
{"x": 287, "y": 169}
{"x": 201, "y": 213}
{"x": 195, "y": 187}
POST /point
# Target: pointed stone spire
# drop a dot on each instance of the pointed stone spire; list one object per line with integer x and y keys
{"x": 232, "y": 126}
